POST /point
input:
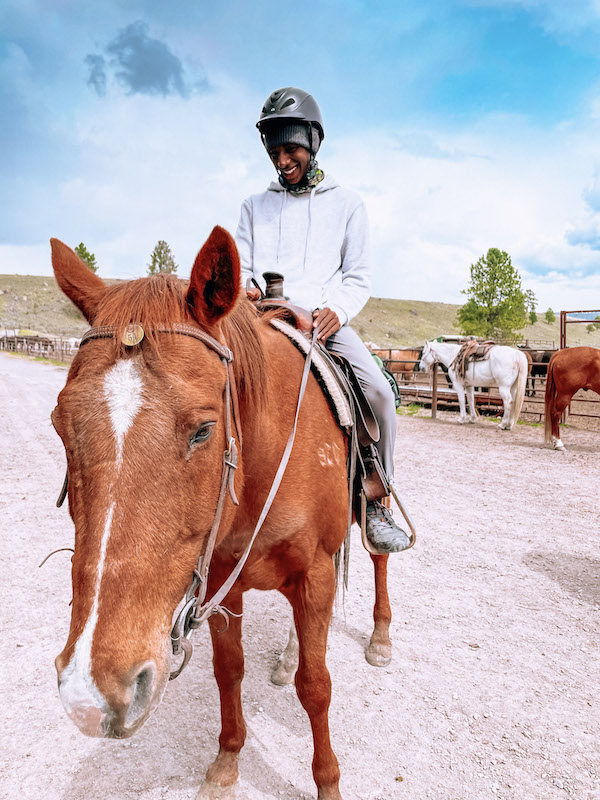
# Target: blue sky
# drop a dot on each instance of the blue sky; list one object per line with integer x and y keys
{"x": 465, "y": 125}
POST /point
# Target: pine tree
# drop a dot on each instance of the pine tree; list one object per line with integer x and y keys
{"x": 530, "y": 304}
{"x": 87, "y": 257}
{"x": 161, "y": 259}
{"x": 497, "y": 305}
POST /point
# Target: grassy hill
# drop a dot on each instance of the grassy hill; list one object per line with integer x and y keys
{"x": 36, "y": 303}
{"x": 396, "y": 323}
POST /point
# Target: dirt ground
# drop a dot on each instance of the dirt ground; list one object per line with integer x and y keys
{"x": 493, "y": 690}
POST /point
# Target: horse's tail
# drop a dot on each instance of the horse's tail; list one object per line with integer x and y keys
{"x": 549, "y": 401}
{"x": 519, "y": 396}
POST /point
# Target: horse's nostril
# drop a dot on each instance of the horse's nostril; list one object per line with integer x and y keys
{"x": 142, "y": 691}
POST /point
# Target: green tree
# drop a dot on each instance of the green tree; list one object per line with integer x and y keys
{"x": 87, "y": 257}
{"x": 550, "y": 316}
{"x": 530, "y": 304}
{"x": 497, "y": 305}
{"x": 161, "y": 259}
{"x": 596, "y": 323}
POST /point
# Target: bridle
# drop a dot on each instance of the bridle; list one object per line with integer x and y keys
{"x": 195, "y": 611}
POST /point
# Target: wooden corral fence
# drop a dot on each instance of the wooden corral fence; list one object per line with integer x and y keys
{"x": 433, "y": 389}
{"x": 57, "y": 348}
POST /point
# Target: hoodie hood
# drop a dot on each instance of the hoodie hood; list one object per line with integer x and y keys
{"x": 328, "y": 182}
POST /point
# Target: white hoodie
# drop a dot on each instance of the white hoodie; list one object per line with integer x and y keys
{"x": 317, "y": 240}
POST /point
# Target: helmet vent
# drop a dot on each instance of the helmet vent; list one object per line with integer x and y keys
{"x": 289, "y": 102}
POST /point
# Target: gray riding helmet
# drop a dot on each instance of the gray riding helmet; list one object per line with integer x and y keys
{"x": 292, "y": 104}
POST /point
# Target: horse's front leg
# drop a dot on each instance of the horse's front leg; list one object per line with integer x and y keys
{"x": 460, "y": 393}
{"x": 470, "y": 390}
{"x": 312, "y": 601}
{"x": 379, "y": 651}
{"x": 229, "y": 670}
{"x": 507, "y": 400}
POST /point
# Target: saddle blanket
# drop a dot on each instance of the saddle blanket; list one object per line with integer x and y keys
{"x": 322, "y": 370}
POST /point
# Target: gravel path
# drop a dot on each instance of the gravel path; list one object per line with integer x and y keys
{"x": 493, "y": 691}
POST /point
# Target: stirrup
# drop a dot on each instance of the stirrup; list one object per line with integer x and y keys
{"x": 369, "y": 547}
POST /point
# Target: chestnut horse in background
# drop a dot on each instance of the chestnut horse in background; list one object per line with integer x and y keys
{"x": 144, "y": 425}
{"x": 569, "y": 370}
{"x": 401, "y": 363}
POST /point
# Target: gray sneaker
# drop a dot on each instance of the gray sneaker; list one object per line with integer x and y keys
{"x": 383, "y": 533}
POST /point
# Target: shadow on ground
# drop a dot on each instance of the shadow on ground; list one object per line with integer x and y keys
{"x": 575, "y": 574}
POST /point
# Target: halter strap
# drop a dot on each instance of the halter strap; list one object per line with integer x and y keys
{"x": 111, "y": 331}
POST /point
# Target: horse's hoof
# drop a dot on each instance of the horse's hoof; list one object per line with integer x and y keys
{"x": 329, "y": 794}
{"x": 560, "y": 447}
{"x": 378, "y": 655}
{"x": 212, "y": 791}
{"x": 283, "y": 674}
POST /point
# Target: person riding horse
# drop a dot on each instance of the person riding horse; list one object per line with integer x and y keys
{"x": 314, "y": 232}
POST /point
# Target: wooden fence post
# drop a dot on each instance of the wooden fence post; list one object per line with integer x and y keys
{"x": 434, "y": 391}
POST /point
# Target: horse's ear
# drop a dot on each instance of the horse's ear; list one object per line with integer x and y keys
{"x": 82, "y": 286}
{"x": 215, "y": 280}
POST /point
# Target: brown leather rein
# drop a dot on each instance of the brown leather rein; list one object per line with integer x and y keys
{"x": 195, "y": 611}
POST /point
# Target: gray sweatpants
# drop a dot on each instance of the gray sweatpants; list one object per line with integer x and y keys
{"x": 348, "y": 344}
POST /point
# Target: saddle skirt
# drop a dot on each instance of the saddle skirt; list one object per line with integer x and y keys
{"x": 329, "y": 381}
{"x": 352, "y": 410}
{"x": 471, "y": 351}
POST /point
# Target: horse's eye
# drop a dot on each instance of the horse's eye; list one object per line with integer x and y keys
{"x": 202, "y": 434}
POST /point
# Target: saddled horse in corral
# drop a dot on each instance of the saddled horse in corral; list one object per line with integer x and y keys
{"x": 504, "y": 367}
{"x": 175, "y": 417}
{"x": 569, "y": 370}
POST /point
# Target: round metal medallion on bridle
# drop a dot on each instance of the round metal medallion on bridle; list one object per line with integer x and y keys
{"x": 132, "y": 335}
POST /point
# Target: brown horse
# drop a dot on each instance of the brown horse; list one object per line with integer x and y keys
{"x": 145, "y": 423}
{"x": 401, "y": 362}
{"x": 569, "y": 370}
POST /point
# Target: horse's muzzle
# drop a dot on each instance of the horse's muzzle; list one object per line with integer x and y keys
{"x": 118, "y": 717}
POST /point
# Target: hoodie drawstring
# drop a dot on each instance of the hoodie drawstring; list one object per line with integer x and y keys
{"x": 308, "y": 229}
{"x": 281, "y": 210}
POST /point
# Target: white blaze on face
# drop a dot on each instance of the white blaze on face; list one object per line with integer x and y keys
{"x": 123, "y": 393}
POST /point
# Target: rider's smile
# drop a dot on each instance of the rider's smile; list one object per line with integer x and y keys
{"x": 291, "y": 161}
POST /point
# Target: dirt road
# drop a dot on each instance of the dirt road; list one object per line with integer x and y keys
{"x": 493, "y": 691}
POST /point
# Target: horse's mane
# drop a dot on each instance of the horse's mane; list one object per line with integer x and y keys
{"x": 160, "y": 301}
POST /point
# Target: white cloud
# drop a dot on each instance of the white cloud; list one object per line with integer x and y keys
{"x": 153, "y": 169}
{"x": 169, "y": 168}
{"x": 512, "y": 187}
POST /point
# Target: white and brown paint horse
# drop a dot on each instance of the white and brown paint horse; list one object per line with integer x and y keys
{"x": 505, "y": 367}
{"x": 145, "y": 428}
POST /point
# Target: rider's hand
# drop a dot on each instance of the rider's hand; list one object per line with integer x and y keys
{"x": 253, "y": 294}
{"x": 327, "y": 321}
